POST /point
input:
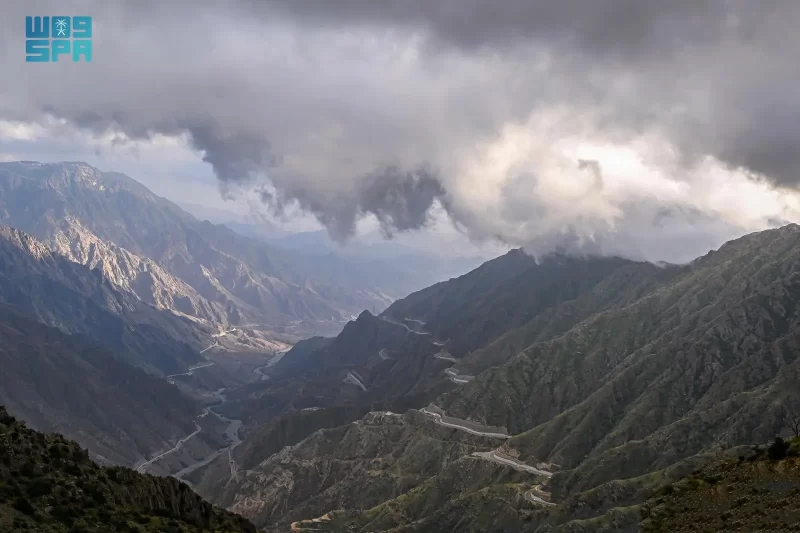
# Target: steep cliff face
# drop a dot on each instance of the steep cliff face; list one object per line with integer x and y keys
{"x": 75, "y": 299}
{"x": 49, "y": 484}
{"x": 138, "y": 275}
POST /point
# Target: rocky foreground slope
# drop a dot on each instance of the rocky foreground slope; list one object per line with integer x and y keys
{"x": 49, "y": 485}
{"x": 756, "y": 490}
{"x": 611, "y": 378}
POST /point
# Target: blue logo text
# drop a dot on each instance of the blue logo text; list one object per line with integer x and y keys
{"x": 50, "y": 38}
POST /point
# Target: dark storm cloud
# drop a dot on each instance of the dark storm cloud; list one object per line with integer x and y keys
{"x": 336, "y": 106}
{"x": 626, "y": 27}
{"x": 399, "y": 200}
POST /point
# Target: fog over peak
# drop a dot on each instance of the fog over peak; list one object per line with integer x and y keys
{"x": 648, "y": 129}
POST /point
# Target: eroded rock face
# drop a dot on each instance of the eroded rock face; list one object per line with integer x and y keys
{"x": 75, "y": 299}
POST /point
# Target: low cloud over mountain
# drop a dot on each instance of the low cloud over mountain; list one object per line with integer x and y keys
{"x": 590, "y": 127}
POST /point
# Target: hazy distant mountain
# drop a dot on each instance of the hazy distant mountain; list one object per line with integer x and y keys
{"x": 242, "y": 224}
{"x": 399, "y": 268}
{"x": 613, "y": 376}
{"x": 204, "y": 270}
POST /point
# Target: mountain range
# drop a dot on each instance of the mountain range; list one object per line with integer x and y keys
{"x": 150, "y": 247}
{"x": 551, "y": 394}
{"x": 582, "y": 386}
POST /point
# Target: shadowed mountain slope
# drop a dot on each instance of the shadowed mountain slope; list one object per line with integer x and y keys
{"x": 48, "y": 484}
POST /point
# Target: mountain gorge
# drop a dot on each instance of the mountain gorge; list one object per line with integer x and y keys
{"x": 588, "y": 383}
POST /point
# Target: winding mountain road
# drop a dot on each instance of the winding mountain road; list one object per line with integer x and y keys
{"x": 188, "y": 372}
{"x": 217, "y": 336}
{"x": 534, "y": 496}
{"x": 352, "y": 378}
{"x": 141, "y": 468}
{"x": 494, "y": 456}
{"x": 444, "y": 356}
{"x": 207, "y": 348}
{"x": 439, "y": 420}
{"x": 457, "y": 378}
{"x": 390, "y": 321}
{"x": 231, "y": 432}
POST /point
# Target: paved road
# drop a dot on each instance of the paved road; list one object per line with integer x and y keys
{"x": 455, "y": 377}
{"x": 141, "y": 468}
{"x": 445, "y": 356}
{"x": 232, "y": 432}
{"x": 207, "y": 348}
{"x": 533, "y": 497}
{"x": 438, "y": 419}
{"x": 390, "y": 321}
{"x": 351, "y": 378}
{"x": 188, "y": 371}
{"x": 513, "y": 463}
{"x": 223, "y": 333}
{"x": 217, "y": 336}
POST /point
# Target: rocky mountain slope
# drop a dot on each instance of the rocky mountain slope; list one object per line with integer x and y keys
{"x": 151, "y": 247}
{"x": 49, "y": 484}
{"x": 611, "y": 378}
{"x": 73, "y": 385}
{"x": 756, "y": 491}
{"x": 75, "y": 299}
{"x": 361, "y": 464}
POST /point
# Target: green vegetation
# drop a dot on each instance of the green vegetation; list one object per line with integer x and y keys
{"x": 625, "y": 376}
{"x": 759, "y": 492}
{"x": 49, "y": 485}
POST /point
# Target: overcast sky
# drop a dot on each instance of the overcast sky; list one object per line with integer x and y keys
{"x": 648, "y": 128}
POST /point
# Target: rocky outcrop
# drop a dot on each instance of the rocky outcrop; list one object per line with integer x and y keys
{"x": 48, "y": 483}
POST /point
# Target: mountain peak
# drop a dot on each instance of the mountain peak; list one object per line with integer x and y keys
{"x": 365, "y": 315}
